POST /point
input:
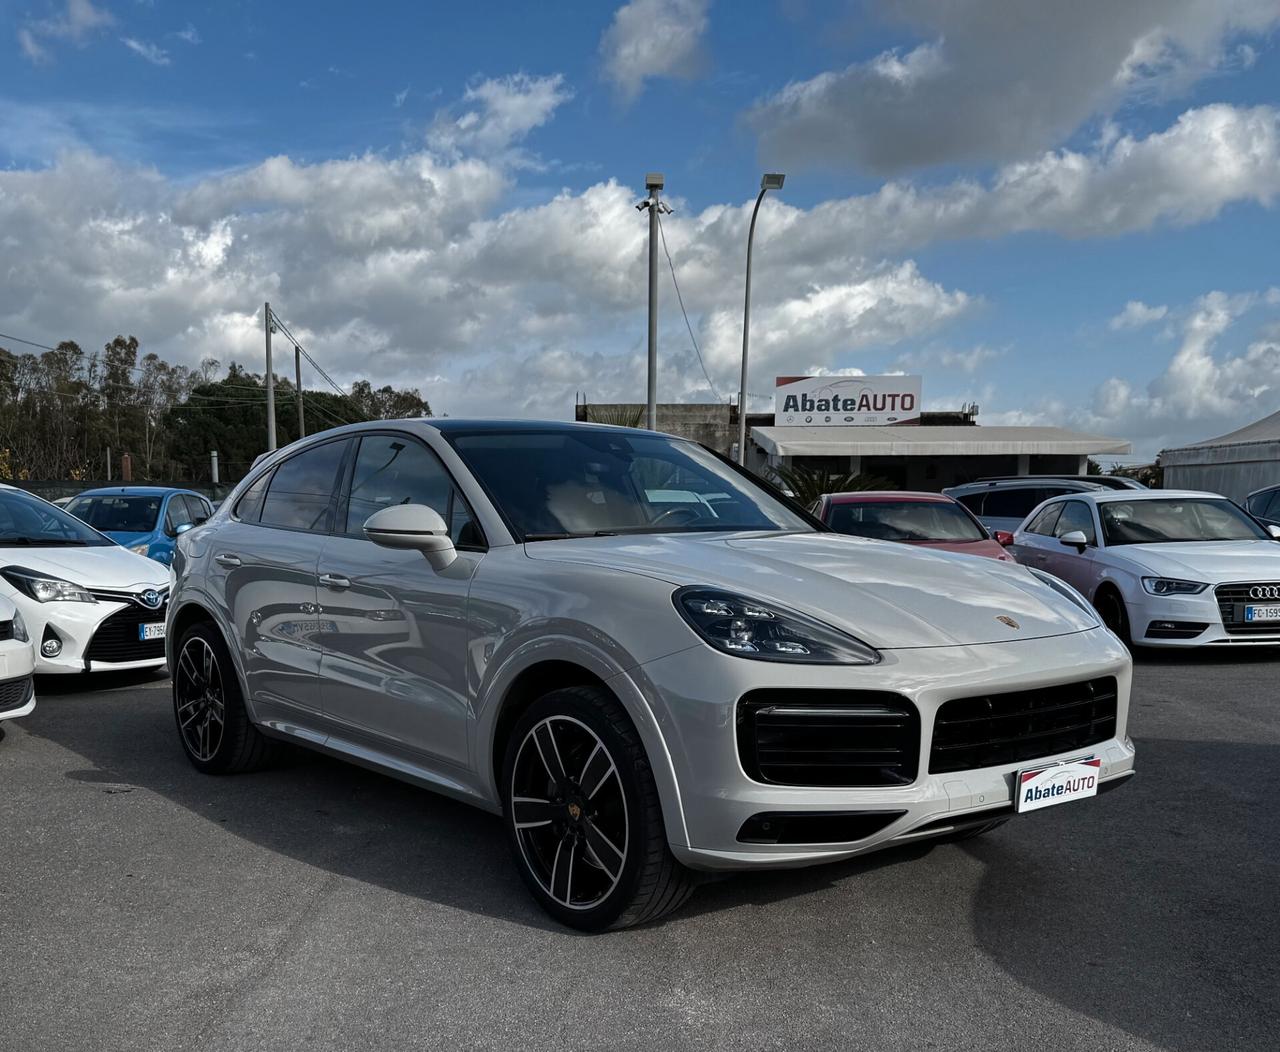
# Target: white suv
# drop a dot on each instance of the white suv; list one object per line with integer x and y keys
{"x": 645, "y": 660}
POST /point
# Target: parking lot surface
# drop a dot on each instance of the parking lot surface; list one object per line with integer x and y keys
{"x": 319, "y": 906}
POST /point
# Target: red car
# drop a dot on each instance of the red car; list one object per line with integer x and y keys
{"x": 931, "y": 520}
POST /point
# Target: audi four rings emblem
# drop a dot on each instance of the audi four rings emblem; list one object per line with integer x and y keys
{"x": 1265, "y": 591}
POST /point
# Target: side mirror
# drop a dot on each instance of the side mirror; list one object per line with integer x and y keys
{"x": 1274, "y": 531}
{"x": 415, "y": 527}
{"x": 1003, "y": 537}
{"x": 182, "y": 528}
{"x": 1076, "y": 539}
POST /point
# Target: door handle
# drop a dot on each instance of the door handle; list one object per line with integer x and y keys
{"x": 330, "y": 580}
{"x": 226, "y": 559}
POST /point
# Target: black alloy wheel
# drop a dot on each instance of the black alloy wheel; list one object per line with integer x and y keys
{"x": 208, "y": 707}
{"x": 583, "y": 814}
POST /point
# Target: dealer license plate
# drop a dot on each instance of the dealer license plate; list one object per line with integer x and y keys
{"x": 1262, "y": 613}
{"x": 152, "y": 631}
{"x": 1057, "y": 784}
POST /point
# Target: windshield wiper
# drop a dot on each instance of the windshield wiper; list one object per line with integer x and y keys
{"x": 41, "y": 542}
{"x": 550, "y": 536}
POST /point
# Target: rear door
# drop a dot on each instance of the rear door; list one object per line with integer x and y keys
{"x": 268, "y": 554}
{"x": 1033, "y": 543}
{"x": 395, "y": 642}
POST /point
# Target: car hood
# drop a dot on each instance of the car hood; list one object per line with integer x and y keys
{"x": 892, "y": 596}
{"x": 1211, "y": 561}
{"x": 104, "y": 566}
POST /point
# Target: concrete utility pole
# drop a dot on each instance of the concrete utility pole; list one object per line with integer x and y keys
{"x": 297, "y": 372}
{"x": 772, "y": 181}
{"x": 653, "y": 182}
{"x": 271, "y": 382}
{"x": 213, "y": 466}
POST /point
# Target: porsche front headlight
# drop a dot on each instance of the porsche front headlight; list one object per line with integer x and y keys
{"x": 749, "y": 628}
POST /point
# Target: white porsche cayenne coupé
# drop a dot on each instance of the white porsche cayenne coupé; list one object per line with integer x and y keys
{"x": 1163, "y": 567}
{"x": 89, "y": 604}
{"x": 646, "y": 661}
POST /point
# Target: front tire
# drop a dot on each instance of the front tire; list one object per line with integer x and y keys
{"x": 1110, "y": 606}
{"x": 208, "y": 707}
{"x": 583, "y": 815}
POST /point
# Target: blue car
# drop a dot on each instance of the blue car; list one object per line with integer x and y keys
{"x": 145, "y": 519}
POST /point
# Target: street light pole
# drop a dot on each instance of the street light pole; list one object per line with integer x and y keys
{"x": 271, "y": 382}
{"x": 771, "y": 181}
{"x": 297, "y": 372}
{"x": 653, "y": 182}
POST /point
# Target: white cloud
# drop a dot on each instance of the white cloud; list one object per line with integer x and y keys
{"x": 1136, "y": 315}
{"x": 153, "y": 53}
{"x": 78, "y": 22}
{"x": 398, "y": 99}
{"x": 402, "y": 268}
{"x": 1001, "y": 80}
{"x": 495, "y": 114}
{"x": 653, "y": 38}
{"x": 190, "y": 35}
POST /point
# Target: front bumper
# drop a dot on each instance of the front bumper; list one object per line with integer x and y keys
{"x": 1148, "y": 612}
{"x": 694, "y": 694}
{"x": 17, "y": 663}
{"x": 75, "y": 625}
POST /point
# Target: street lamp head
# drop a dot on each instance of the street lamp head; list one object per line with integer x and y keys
{"x": 772, "y": 181}
{"x": 653, "y": 181}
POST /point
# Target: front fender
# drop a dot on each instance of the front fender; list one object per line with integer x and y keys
{"x": 602, "y": 662}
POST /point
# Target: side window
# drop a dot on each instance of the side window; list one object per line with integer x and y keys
{"x": 197, "y": 509}
{"x": 178, "y": 514}
{"x": 249, "y": 506}
{"x": 1272, "y": 510}
{"x": 1044, "y": 522}
{"x": 1014, "y": 503}
{"x": 300, "y": 495}
{"x": 1076, "y": 516}
{"x": 972, "y": 501}
{"x": 397, "y": 469}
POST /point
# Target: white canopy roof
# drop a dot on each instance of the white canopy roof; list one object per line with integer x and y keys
{"x": 924, "y": 441}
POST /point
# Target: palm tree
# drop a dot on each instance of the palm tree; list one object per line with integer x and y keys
{"x": 806, "y": 485}
{"x": 620, "y": 415}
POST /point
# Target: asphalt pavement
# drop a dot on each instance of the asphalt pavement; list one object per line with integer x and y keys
{"x": 319, "y": 906}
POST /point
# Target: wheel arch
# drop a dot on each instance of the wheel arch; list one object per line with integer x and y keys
{"x": 191, "y": 612}
{"x": 525, "y": 678}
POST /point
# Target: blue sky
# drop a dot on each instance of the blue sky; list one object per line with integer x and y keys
{"x": 439, "y": 194}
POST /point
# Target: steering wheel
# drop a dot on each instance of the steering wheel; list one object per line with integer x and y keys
{"x": 670, "y": 513}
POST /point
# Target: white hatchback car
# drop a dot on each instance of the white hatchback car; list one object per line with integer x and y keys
{"x": 17, "y": 693}
{"x": 1162, "y": 567}
{"x": 89, "y": 604}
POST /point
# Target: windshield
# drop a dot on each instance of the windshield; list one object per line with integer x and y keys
{"x": 575, "y": 483}
{"x": 27, "y": 520}
{"x": 117, "y": 514}
{"x": 905, "y": 520}
{"x": 1161, "y": 521}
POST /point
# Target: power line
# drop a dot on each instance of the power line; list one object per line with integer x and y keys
{"x": 276, "y": 319}
{"x": 29, "y": 343}
{"x": 696, "y": 350}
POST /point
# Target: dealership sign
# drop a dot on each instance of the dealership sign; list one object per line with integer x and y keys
{"x": 844, "y": 401}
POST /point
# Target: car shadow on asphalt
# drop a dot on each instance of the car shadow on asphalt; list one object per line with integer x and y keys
{"x": 364, "y": 825}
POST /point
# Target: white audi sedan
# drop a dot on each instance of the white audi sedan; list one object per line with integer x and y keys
{"x": 89, "y": 605}
{"x": 17, "y": 693}
{"x": 1163, "y": 567}
{"x": 650, "y": 663}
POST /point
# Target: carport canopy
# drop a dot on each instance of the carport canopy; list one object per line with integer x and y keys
{"x": 917, "y": 441}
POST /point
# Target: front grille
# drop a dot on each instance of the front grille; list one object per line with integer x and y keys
{"x": 997, "y": 729}
{"x": 828, "y": 737}
{"x": 6, "y": 630}
{"x": 1233, "y": 598}
{"x": 14, "y": 693}
{"x": 117, "y": 637}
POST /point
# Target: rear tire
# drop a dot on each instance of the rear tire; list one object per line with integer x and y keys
{"x": 1110, "y": 606}
{"x": 578, "y": 792}
{"x": 208, "y": 707}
